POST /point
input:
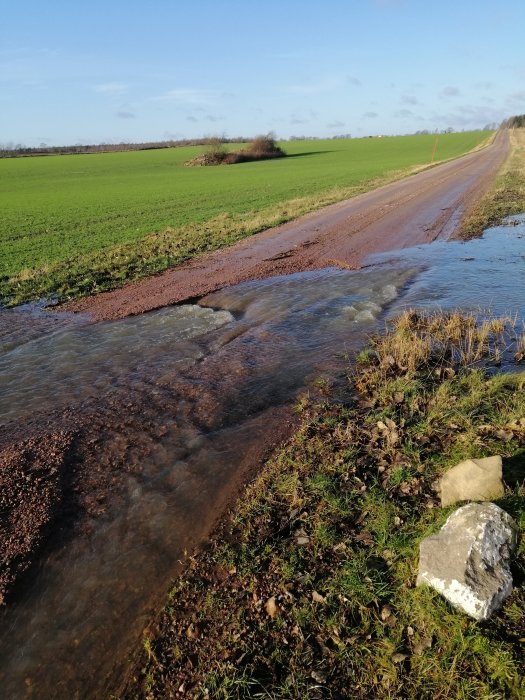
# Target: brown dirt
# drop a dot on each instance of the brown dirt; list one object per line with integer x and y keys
{"x": 52, "y": 456}
{"x": 417, "y": 209}
{"x": 62, "y": 471}
{"x": 72, "y": 463}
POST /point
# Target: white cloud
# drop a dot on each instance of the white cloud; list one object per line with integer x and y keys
{"x": 111, "y": 88}
{"x": 315, "y": 88}
{"x": 187, "y": 96}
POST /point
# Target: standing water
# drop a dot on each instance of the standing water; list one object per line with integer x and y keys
{"x": 213, "y": 377}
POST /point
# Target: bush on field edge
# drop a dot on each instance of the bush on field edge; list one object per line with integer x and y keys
{"x": 262, "y": 148}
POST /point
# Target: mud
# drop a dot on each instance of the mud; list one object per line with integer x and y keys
{"x": 81, "y": 462}
{"x": 418, "y": 209}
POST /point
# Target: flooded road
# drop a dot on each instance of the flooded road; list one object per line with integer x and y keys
{"x": 171, "y": 409}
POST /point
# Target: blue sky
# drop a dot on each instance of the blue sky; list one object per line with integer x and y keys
{"x": 123, "y": 70}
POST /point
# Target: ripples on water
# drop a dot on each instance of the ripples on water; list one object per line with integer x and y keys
{"x": 240, "y": 351}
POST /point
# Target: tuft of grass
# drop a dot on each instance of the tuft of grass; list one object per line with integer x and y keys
{"x": 506, "y": 198}
{"x": 308, "y": 590}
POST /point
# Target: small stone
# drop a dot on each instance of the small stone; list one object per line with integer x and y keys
{"x": 386, "y": 612}
{"x": 318, "y": 677}
{"x": 318, "y": 598}
{"x": 421, "y": 645}
{"x": 192, "y": 632}
{"x": 467, "y": 561}
{"x": 271, "y": 607}
{"x": 472, "y": 480}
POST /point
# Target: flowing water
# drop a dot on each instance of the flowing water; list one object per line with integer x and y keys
{"x": 213, "y": 376}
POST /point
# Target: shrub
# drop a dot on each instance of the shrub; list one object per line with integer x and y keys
{"x": 262, "y": 148}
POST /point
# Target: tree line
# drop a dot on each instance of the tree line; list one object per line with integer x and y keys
{"x": 516, "y": 122}
{"x": 10, "y": 150}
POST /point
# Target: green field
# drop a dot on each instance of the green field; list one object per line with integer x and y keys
{"x": 78, "y": 224}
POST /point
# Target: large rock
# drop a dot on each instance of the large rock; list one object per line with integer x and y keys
{"x": 467, "y": 561}
{"x": 472, "y": 480}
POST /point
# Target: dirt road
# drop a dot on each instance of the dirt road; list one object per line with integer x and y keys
{"x": 419, "y": 209}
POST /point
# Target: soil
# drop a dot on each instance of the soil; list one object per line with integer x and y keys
{"x": 58, "y": 472}
{"x": 417, "y": 209}
{"x": 52, "y": 456}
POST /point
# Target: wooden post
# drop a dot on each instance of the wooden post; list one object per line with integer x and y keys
{"x": 434, "y": 150}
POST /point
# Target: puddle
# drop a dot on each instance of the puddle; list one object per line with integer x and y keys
{"x": 224, "y": 367}
{"x": 76, "y": 360}
{"x": 481, "y": 274}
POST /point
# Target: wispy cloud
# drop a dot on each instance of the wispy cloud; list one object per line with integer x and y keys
{"x": 325, "y": 85}
{"x": 485, "y": 85}
{"x": 370, "y": 115}
{"x": 352, "y": 80}
{"x": 409, "y": 100}
{"x": 126, "y": 115}
{"x": 403, "y": 113}
{"x": 335, "y": 125}
{"x": 111, "y": 88}
{"x": 516, "y": 98}
{"x": 188, "y": 96}
{"x": 450, "y": 91}
{"x": 467, "y": 116}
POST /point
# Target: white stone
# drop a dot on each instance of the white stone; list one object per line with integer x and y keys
{"x": 472, "y": 480}
{"x": 467, "y": 561}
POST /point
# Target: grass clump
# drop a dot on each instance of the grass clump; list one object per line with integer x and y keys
{"x": 506, "y": 198}
{"x": 308, "y": 590}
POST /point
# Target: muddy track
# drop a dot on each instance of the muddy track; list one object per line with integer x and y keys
{"x": 75, "y": 463}
{"x": 418, "y": 209}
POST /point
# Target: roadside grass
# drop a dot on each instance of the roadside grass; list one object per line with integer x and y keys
{"x": 308, "y": 589}
{"x": 507, "y": 197}
{"x": 80, "y": 224}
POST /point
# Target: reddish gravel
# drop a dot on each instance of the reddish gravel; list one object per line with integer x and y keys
{"x": 418, "y": 209}
{"x": 58, "y": 473}
{"x": 31, "y": 475}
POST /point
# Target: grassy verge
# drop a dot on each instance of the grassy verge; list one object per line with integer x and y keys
{"x": 78, "y": 225}
{"x": 308, "y": 590}
{"x": 506, "y": 197}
